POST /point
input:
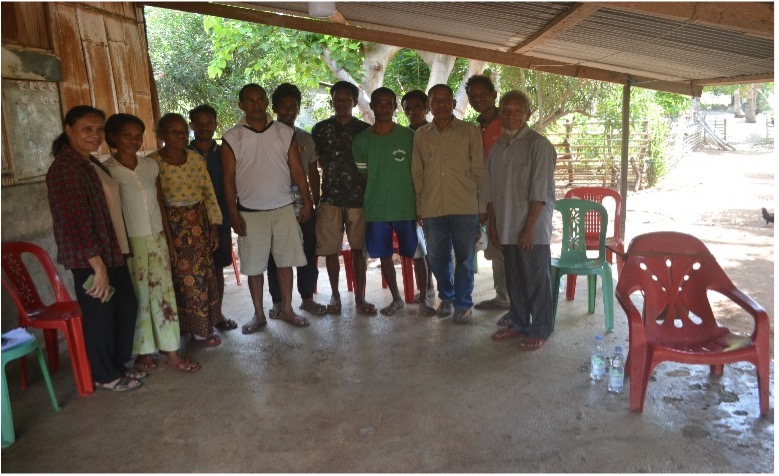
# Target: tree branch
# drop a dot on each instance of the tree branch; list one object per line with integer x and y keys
{"x": 342, "y": 75}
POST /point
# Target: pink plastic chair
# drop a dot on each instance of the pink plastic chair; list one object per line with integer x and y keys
{"x": 64, "y": 314}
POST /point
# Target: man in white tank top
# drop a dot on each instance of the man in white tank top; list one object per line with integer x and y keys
{"x": 260, "y": 161}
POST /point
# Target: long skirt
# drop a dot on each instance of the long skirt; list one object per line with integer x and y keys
{"x": 157, "y": 325}
{"x": 193, "y": 275}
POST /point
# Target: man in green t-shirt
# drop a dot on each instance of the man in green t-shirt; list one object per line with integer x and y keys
{"x": 383, "y": 154}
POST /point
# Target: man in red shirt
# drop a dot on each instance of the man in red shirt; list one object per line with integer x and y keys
{"x": 481, "y": 94}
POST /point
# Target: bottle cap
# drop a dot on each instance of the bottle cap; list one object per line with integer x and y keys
{"x": 618, "y": 349}
{"x": 598, "y": 338}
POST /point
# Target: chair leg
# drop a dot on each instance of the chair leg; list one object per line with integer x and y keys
{"x": 78, "y": 357}
{"x": 235, "y": 268}
{"x": 570, "y": 287}
{"x": 591, "y": 284}
{"x": 47, "y": 379}
{"x": 407, "y": 268}
{"x": 639, "y": 379}
{"x": 608, "y": 299}
{"x": 716, "y": 369}
{"x": 25, "y": 382}
{"x": 9, "y": 436}
{"x": 52, "y": 348}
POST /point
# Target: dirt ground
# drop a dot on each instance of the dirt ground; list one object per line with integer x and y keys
{"x": 716, "y": 196}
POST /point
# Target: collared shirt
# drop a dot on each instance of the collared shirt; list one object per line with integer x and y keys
{"x": 520, "y": 171}
{"x": 342, "y": 184}
{"x": 188, "y": 184}
{"x": 138, "y": 189}
{"x": 262, "y": 176}
{"x": 82, "y": 223}
{"x": 447, "y": 168}
{"x": 214, "y": 166}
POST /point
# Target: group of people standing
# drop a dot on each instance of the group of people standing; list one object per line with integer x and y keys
{"x": 146, "y": 238}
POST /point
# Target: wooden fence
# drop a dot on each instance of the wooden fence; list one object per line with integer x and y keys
{"x": 590, "y": 154}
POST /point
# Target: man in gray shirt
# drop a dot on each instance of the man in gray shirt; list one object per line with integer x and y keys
{"x": 520, "y": 194}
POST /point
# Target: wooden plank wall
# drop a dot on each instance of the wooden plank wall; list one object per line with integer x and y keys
{"x": 103, "y": 52}
{"x": 112, "y": 70}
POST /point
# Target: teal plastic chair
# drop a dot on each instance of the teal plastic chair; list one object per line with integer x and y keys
{"x": 573, "y": 256}
{"x": 15, "y": 346}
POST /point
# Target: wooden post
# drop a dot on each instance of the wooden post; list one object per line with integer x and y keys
{"x": 623, "y": 186}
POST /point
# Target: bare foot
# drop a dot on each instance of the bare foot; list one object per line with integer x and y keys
{"x": 425, "y": 310}
{"x": 395, "y": 306}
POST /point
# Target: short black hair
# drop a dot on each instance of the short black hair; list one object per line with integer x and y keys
{"x": 285, "y": 90}
{"x": 416, "y": 93}
{"x": 167, "y": 119}
{"x": 480, "y": 79}
{"x": 383, "y": 90}
{"x": 248, "y": 87}
{"x": 115, "y": 123}
{"x": 440, "y": 85}
{"x": 345, "y": 85}
{"x": 202, "y": 109}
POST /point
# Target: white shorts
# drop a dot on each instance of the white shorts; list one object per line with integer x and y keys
{"x": 272, "y": 231}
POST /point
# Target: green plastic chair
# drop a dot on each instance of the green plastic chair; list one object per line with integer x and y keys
{"x": 15, "y": 349}
{"x": 573, "y": 256}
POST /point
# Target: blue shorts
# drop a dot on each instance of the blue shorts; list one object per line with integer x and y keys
{"x": 378, "y": 238}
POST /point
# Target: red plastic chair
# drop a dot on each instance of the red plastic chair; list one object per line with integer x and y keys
{"x": 64, "y": 314}
{"x": 407, "y": 270}
{"x": 673, "y": 271}
{"x": 592, "y": 229}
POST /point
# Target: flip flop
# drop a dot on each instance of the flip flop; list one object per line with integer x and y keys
{"x": 185, "y": 365}
{"x": 135, "y": 374}
{"x": 121, "y": 384}
{"x": 274, "y": 313}
{"x": 505, "y": 333}
{"x": 334, "y": 307}
{"x": 394, "y": 307}
{"x": 211, "y": 341}
{"x": 144, "y": 363}
{"x": 504, "y": 321}
{"x": 426, "y": 311}
{"x": 366, "y": 308}
{"x": 532, "y": 343}
{"x": 226, "y": 324}
{"x": 254, "y": 325}
{"x": 314, "y": 308}
{"x": 295, "y": 320}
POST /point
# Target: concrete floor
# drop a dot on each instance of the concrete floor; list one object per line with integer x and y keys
{"x": 399, "y": 394}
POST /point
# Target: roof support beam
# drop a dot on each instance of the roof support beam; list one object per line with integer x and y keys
{"x": 239, "y": 12}
{"x": 751, "y": 18}
{"x": 757, "y": 78}
{"x": 575, "y": 14}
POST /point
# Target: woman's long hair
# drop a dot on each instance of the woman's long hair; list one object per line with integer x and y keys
{"x": 71, "y": 117}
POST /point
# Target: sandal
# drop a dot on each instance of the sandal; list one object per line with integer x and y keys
{"x": 254, "y": 325}
{"x": 366, "y": 308}
{"x": 135, "y": 374}
{"x": 505, "y": 333}
{"x": 314, "y": 308}
{"x": 211, "y": 341}
{"x": 394, "y": 307}
{"x": 505, "y": 320}
{"x": 295, "y": 320}
{"x": 144, "y": 363}
{"x": 226, "y": 324}
{"x": 334, "y": 307}
{"x": 185, "y": 365}
{"x": 121, "y": 384}
{"x": 532, "y": 343}
{"x": 274, "y": 313}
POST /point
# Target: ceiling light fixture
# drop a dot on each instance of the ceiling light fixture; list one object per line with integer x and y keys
{"x": 321, "y": 9}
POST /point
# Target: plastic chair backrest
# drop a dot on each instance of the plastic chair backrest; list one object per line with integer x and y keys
{"x": 19, "y": 283}
{"x": 674, "y": 271}
{"x": 592, "y": 221}
{"x": 574, "y": 245}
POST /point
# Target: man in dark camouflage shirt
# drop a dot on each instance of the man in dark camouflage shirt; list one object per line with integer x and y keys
{"x": 343, "y": 189}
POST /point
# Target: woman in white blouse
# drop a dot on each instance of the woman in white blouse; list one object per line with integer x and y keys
{"x": 157, "y": 325}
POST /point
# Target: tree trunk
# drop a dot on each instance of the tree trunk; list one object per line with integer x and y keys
{"x": 374, "y": 67}
{"x": 460, "y": 97}
{"x": 750, "y": 109}
{"x": 737, "y": 103}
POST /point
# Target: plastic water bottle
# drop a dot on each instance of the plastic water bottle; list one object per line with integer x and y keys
{"x": 297, "y": 200}
{"x": 617, "y": 372}
{"x": 598, "y": 360}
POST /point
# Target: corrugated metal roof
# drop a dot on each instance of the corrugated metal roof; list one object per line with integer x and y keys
{"x": 680, "y": 44}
